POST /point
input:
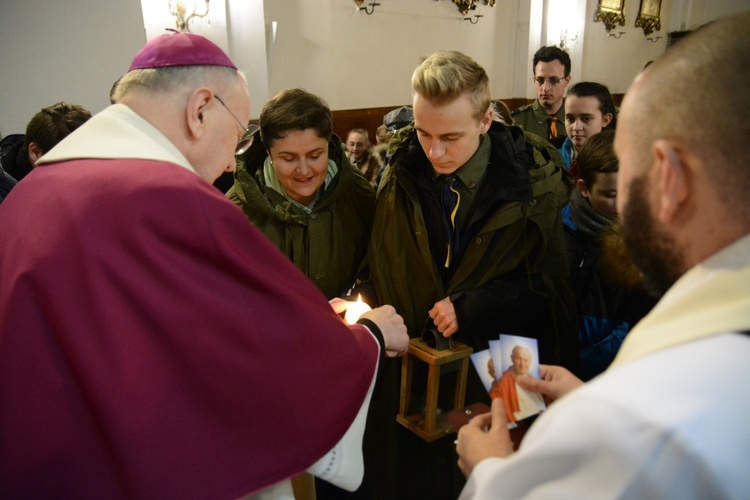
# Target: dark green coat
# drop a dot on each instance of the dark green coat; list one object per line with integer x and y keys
{"x": 533, "y": 118}
{"x": 511, "y": 277}
{"x": 327, "y": 245}
{"x": 512, "y": 273}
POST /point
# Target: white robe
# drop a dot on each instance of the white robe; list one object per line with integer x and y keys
{"x": 667, "y": 420}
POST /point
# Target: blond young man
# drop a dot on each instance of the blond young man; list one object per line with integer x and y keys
{"x": 467, "y": 238}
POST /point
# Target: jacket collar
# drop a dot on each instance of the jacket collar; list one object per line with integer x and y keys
{"x": 117, "y": 132}
{"x": 506, "y": 177}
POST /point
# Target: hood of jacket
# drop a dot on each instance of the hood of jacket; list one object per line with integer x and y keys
{"x": 327, "y": 244}
{"x": 250, "y": 189}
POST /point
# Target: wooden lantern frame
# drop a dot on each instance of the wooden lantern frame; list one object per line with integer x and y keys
{"x": 431, "y": 426}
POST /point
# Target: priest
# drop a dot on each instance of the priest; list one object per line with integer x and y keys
{"x": 153, "y": 343}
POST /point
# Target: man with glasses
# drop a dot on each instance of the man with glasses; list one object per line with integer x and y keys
{"x": 546, "y": 115}
{"x": 226, "y": 180}
{"x": 128, "y": 366}
{"x": 247, "y": 137}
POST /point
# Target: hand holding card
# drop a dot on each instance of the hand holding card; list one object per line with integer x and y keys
{"x": 485, "y": 436}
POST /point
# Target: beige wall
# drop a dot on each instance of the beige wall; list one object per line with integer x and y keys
{"x": 63, "y": 51}
{"x": 74, "y": 50}
{"x": 355, "y": 60}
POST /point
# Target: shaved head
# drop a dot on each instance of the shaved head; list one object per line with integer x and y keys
{"x": 684, "y": 152}
{"x": 697, "y": 96}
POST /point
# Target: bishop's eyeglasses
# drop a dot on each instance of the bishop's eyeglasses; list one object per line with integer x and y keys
{"x": 247, "y": 138}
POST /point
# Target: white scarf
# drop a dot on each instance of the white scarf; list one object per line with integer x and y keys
{"x": 272, "y": 181}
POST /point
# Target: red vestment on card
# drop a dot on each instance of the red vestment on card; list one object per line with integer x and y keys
{"x": 507, "y": 391}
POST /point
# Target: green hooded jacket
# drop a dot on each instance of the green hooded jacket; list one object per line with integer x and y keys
{"x": 329, "y": 244}
{"x": 511, "y": 276}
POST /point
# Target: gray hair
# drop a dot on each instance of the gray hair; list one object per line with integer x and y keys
{"x": 170, "y": 80}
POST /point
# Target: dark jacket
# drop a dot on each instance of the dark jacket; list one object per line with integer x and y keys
{"x": 10, "y": 151}
{"x": 511, "y": 277}
{"x": 6, "y": 184}
{"x": 13, "y": 157}
{"x": 512, "y": 273}
{"x": 369, "y": 166}
{"x": 610, "y": 295}
{"x": 329, "y": 244}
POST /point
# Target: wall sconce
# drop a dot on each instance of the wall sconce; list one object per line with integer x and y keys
{"x": 567, "y": 40}
{"x": 653, "y": 39}
{"x": 464, "y": 6}
{"x": 179, "y": 9}
{"x": 367, "y": 11}
{"x": 649, "y": 17}
{"x": 611, "y": 13}
{"x": 476, "y": 18}
{"x": 618, "y": 35}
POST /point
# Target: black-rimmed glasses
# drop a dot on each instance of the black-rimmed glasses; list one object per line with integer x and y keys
{"x": 552, "y": 80}
{"x": 247, "y": 138}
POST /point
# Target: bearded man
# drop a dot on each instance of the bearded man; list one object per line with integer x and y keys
{"x": 666, "y": 419}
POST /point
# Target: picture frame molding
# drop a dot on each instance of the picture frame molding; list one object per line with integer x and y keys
{"x": 611, "y": 13}
{"x": 649, "y": 16}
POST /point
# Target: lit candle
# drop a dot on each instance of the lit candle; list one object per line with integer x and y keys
{"x": 355, "y": 310}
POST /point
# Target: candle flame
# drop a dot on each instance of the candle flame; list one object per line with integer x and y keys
{"x": 355, "y": 310}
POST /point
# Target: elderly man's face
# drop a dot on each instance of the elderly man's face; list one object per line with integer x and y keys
{"x": 650, "y": 244}
{"x": 521, "y": 359}
{"x": 231, "y": 114}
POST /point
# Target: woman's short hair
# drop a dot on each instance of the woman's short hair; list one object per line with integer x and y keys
{"x": 294, "y": 109}
{"x": 597, "y": 155}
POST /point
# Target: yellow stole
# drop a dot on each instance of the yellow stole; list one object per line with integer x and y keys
{"x": 711, "y": 298}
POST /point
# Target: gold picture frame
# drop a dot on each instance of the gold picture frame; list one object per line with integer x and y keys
{"x": 611, "y": 13}
{"x": 649, "y": 16}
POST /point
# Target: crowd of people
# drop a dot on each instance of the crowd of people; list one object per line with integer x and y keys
{"x": 162, "y": 338}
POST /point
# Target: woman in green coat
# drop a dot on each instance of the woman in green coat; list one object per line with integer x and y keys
{"x": 296, "y": 185}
